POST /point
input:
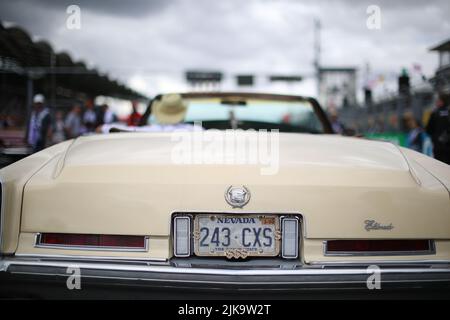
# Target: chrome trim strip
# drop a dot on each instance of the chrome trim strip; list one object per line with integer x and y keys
{"x": 378, "y": 262}
{"x": 90, "y": 258}
{"x": 6, "y": 263}
{"x": 189, "y": 221}
{"x": 312, "y": 264}
{"x": 38, "y": 244}
{"x": 431, "y": 251}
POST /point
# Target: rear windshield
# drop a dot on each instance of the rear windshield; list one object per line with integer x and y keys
{"x": 293, "y": 116}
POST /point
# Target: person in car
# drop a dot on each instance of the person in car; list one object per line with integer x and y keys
{"x": 169, "y": 111}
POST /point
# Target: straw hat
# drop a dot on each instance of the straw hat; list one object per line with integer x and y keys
{"x": 171, "y": 109}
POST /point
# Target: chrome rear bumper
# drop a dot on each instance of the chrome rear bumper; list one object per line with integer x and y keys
{"x": 165, "y": 274}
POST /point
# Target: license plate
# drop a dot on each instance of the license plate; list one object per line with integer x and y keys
{"x": 236, "y": 236}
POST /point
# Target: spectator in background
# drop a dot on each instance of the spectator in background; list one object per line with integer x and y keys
{"x": 99, "y": 113}
{"x": 135, "y": 117}
{"x": 89, "y": 117}
{"x": 109, "y": 116}
{"x": 439, "y": 129}
{"x": 105, "y": 115}
{"x": 337, "y": 126}
{"x": 39, "y": 126}
{"x": 7, "y": 121}
{"x": 72, "y": 124}
{"x": 58, "y": 128}
{"x": 417, "y": 139}
{"x": 376, "y": 126}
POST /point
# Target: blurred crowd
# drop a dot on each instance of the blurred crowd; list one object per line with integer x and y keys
{"x": 431, "y": 138}
{"x": 45, "y": 128}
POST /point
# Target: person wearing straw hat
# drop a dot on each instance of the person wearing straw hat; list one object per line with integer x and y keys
{"x": 169, "y": 111}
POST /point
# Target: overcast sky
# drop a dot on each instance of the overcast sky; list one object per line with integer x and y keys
{"x": 148, "y": 44}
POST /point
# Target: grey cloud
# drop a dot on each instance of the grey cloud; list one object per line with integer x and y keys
{"x": 136, "y": 8}
{"x": 147, "y": 37}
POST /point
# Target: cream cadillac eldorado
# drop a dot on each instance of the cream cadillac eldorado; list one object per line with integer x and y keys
{"x": 312, "y": 210}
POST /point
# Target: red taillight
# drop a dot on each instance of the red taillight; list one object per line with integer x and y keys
{"x": 342, "y": 246}
{"x": 92, "y": 240}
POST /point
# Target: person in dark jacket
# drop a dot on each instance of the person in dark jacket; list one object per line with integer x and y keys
{"x": 438, "y": 129}
{"x": 39, "y": 125}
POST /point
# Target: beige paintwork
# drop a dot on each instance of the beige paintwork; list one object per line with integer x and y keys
{"x": 128, "y": 184}
{"x": 13, "y": 179}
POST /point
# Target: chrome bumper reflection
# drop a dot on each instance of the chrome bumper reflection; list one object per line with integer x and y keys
{"x": 297, "y": 278}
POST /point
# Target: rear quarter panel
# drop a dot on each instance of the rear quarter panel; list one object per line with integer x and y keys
{"x": 14, "y": 178}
